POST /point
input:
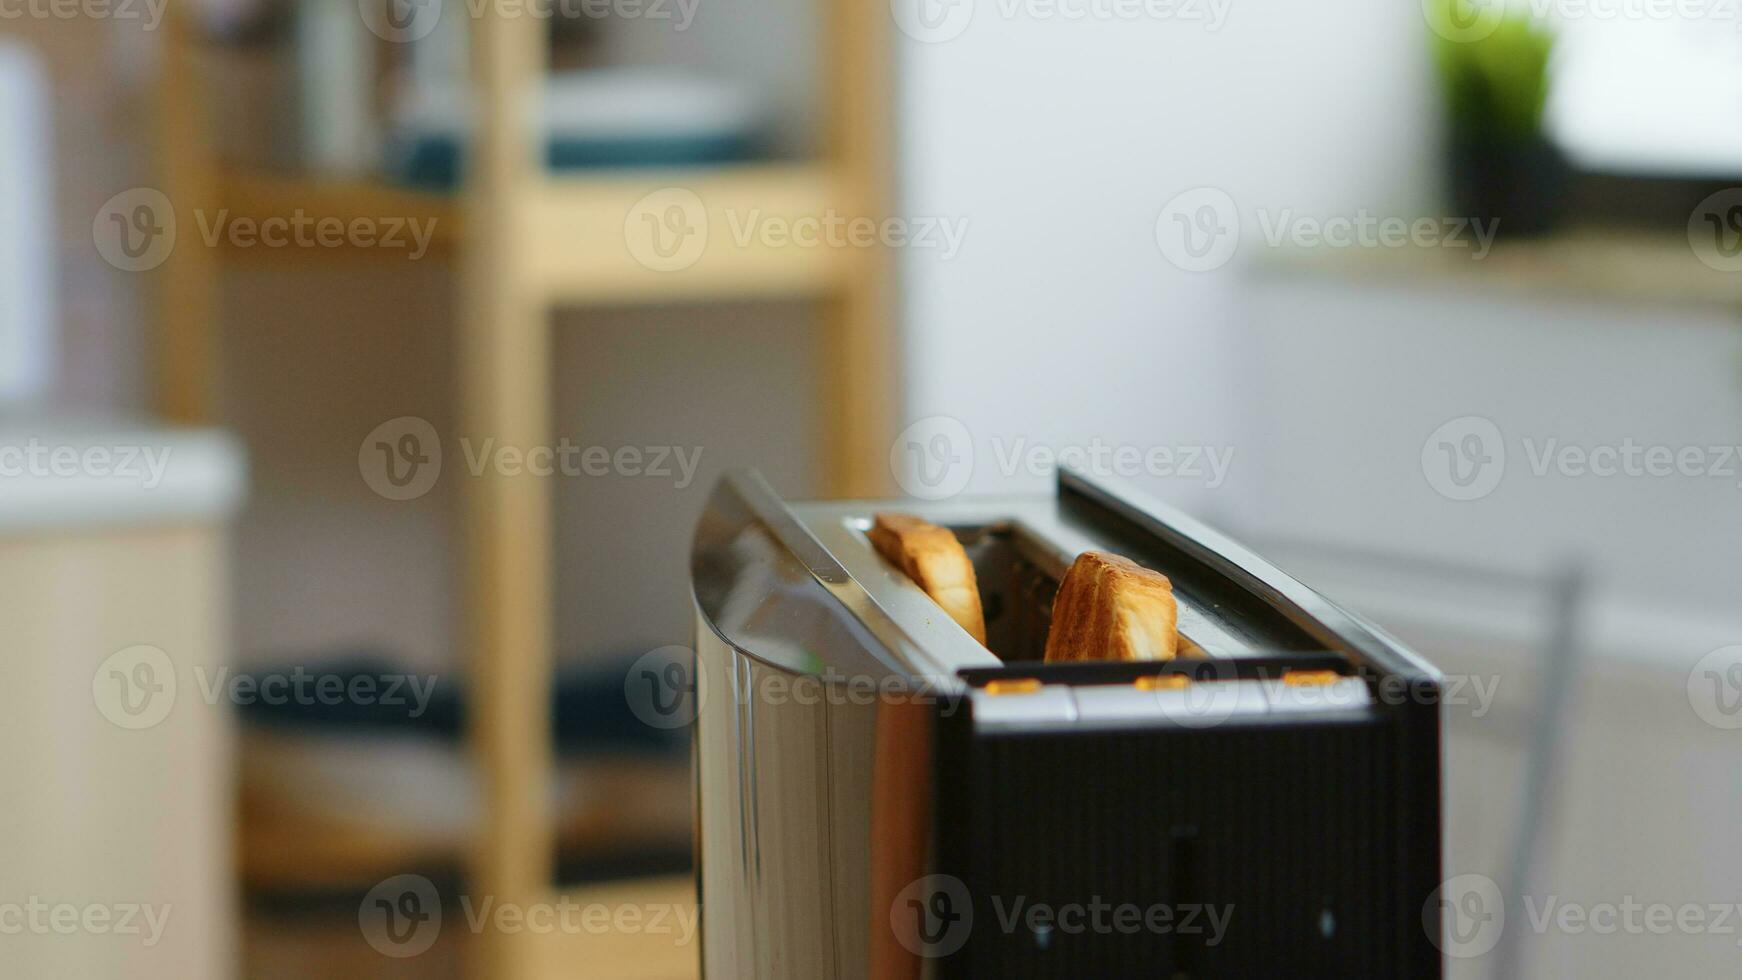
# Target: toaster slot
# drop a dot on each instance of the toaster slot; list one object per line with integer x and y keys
{"x": 1018, "y": 575}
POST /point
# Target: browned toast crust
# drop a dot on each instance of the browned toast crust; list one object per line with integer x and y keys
{"x": 936, "y": 562}
{"x": 1111, "y": 608}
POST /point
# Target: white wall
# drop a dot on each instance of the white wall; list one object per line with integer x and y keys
{"x": 1060, "y": 141}
{"x": 1347, "y": 384}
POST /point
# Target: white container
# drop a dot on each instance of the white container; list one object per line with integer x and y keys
{"x": 335, "y": 60}
{"x": 120, "y": 801}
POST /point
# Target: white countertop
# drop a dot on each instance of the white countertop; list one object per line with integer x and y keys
{"x": 61, "y": 473}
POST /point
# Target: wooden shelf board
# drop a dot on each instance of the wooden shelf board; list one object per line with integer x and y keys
{"x": 590, "y": 237}
{"x": 597, "y": 239}
{"x": 660, "y": 952}
{"x": 262, "y": 196}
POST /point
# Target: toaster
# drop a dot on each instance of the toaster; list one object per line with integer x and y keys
{"x": 879, "y": 795}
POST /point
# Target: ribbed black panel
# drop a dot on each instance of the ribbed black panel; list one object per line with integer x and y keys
{"x": 1281, "y": 823}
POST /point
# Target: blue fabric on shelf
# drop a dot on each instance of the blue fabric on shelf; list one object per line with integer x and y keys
{"x": 436, "y": 163}
{"x": 589, "y": 712}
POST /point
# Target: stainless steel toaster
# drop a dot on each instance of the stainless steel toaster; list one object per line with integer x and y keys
{"x": 878, "y": 795}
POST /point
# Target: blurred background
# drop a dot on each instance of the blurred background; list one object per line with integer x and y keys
{"x": 365, "y": 363}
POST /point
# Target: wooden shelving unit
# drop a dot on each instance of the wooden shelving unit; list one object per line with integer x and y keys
{"x": 525, "y": 242}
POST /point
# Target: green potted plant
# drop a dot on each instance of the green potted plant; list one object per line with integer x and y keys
{"x": 1493, "y": 68}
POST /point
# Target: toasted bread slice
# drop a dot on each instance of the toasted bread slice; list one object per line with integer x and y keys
{"x": 1111, "y": 608}
{"x": 937, "y": 563}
